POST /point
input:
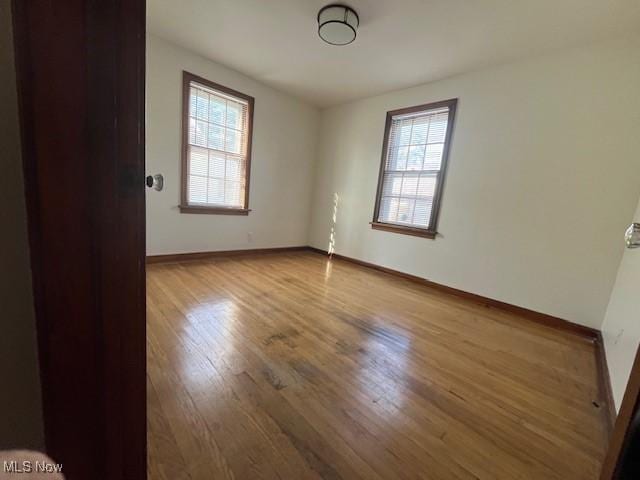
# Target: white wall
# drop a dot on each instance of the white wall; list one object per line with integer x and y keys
{"x": 544, "y": 174}
{"x": 621, "y": 327}
{"x": 21, "y": 424}
{"x": 284, "y": 149}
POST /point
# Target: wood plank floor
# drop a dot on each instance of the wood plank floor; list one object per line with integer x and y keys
{"x": 290, "y": 366}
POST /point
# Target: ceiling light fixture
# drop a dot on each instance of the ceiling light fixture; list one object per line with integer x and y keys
{"x": 337, "y": 24}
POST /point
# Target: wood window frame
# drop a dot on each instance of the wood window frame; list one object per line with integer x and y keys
{"x": 185, "y": 207}
{"x": 431, "y": 231}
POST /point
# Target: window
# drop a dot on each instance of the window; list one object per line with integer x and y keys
{"x": 414, "y": 160}
{"x": 216, "y": 148}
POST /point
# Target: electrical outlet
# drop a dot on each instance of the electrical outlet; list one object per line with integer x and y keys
{"x": 249, "y": 237}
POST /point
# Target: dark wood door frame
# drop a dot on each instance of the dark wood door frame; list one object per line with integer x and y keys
{"x": 620, "y": 444}
{"x": 80, "y": 66}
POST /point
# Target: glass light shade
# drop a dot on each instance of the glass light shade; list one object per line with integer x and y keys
{"x": 337, "y": 24}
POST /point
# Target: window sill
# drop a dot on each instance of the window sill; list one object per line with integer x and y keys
{"x": 214, "y": 210}
{"x": 416, "y": 232}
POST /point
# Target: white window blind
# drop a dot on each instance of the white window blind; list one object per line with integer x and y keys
{"x": 412, "y": 168}
{"x": 218, "y": 132}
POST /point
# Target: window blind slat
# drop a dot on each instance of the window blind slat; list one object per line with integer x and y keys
{"x": 198, "y": 161}
{"x": 197, "y": 189}
{"x": 415, "y": 148}
{"x": 216, "y": 164}
{"x": 217, "y": 148}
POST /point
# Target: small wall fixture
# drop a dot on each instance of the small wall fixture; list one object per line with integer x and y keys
{"x": 337, "y": 24}
{"x": 632, "y": 236}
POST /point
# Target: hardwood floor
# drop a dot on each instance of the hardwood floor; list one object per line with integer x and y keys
{"x": 291, "y": 366}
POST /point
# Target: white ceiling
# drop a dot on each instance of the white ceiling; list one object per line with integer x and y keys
{"x": 400, "y": 43}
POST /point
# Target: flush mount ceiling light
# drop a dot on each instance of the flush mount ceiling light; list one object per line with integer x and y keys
{"x": 337, "y": 24}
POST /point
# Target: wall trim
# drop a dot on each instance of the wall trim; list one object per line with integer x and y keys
{"x": 605, "y": 395}
{"x": 605, "y": 391}
{"x": 620, "y": 450}
{"x": 587, "y": 332}
{"x": 191, "y": 256}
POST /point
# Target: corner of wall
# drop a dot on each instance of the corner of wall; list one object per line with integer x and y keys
{"x": 621, "y": 324}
